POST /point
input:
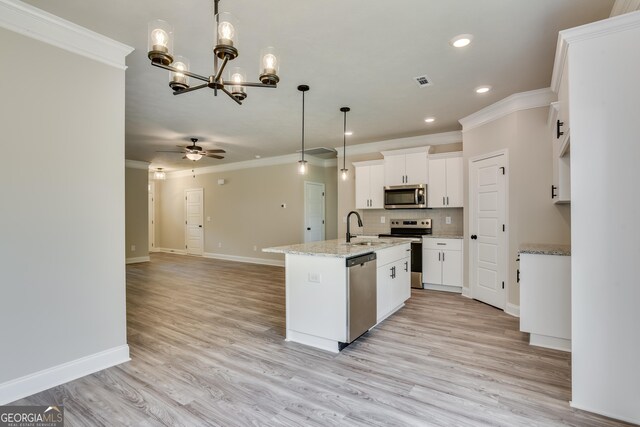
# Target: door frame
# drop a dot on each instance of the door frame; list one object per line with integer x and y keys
{"x": 152, "y": 216}
{"x": 324, "y": 210}
{"x": 507, "y": 270}
{"x": 186, "y": 249}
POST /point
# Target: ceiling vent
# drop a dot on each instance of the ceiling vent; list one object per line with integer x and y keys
{"x": 423, "y": 81}
{"x": 322, "y": 152}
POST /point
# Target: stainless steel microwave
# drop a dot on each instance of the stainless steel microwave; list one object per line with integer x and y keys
{"x": 405, "y": 197}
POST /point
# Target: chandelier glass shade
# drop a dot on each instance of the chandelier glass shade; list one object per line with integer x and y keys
{"x": 193, "y": 156}
{"x": 225, "y": 26}
{"x": 159, "y": 175}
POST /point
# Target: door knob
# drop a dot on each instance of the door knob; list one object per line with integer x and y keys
{"x": 474, "y": 237}
{"x": 200, "y": 226}
{"x": 308, "y": 228}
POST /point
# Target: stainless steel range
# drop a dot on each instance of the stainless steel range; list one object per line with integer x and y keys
{"x": 413, "y": 229}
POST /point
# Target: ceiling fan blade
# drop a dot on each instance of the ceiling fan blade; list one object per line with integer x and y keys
{"x": 214, "y": 156}
{"x": 161, "y": 151}
{"x": 214, "y": 151}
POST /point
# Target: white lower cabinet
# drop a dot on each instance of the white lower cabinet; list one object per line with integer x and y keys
{"x": 442, "y": 264}
{"x": 393, "y": 279}
{"x": 545, "y": 300}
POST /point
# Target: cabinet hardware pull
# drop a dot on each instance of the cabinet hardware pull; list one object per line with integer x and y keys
{"x": 406, "y": 266}
{"x": 442, "y": 256}
{"x": 393, "y": 272}
{"x": 439, "y": 253}
{"x": 443, "y": 203}
{"x": 559, "y": 124}
{"x": 447, "y": 200}
{"x": 474, "y": 237}
{"x": 553, "y": 191}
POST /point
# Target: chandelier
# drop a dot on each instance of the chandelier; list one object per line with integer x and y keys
{"x": 160, "y": 45}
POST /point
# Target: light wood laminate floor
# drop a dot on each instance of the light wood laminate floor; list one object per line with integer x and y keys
{"x": 207, "y": 348}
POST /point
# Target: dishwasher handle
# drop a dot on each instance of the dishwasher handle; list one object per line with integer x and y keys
{"x": 361, "y": 259}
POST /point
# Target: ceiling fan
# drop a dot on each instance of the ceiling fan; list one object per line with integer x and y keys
{"x": 195, "y": 152}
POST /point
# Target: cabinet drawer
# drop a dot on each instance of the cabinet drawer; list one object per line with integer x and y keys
{"x": 385, "y": 256}
{"x": 449, "y": 244}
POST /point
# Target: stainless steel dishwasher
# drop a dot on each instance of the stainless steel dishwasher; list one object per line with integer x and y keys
{"x": 361, "y": 296}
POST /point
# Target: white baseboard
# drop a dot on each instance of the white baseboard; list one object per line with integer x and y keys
{"x": 512, "y": 309}
{"x": 605, "y": 413}
{"x": 27, "y": 385}
{"x": 250, "y": 260}
{"x": 466, "y": 292}
{"x": 445, "y": 288}
{"x": 138, "y": 259}
{"x": 172, "y": 251}
{"x": 550, "y": 342}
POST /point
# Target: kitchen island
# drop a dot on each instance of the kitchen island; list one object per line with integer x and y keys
{"x": 317, "y": 287}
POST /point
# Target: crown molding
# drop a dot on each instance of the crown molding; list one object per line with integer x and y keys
{"x": 593, "y": 30}
{"x": 368, "y": 163}
{"x": 257, "y": 163}
{"x": 621, "y": 7}
{"x": 136, "y": 164}
{"x": 402, "y": 143}
{"x": 516, "y": 102}
{"x": 32, "y": 22}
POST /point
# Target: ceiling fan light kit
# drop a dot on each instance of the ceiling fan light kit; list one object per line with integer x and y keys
{"x": 195, "y": 152}
{"x": 160, "y": 52}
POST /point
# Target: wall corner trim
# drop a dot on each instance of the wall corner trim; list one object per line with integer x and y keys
{"x": 27, "y": 385}
{"x": 32, "y": 22}
{"x": 516, "y": 102}
{"x": 512, "y": 309}
{"x": 136, "y": 164}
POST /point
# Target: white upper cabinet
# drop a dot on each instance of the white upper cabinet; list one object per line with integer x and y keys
{"x": 369, "y": 185}
{"x": 445, "y": 188}
{"x": 406, "y": 167}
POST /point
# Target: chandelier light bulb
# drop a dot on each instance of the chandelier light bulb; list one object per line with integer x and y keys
{"x": 269, "y": 63}
{"x": 160, "y": 39}
{"x": 226, "y": 31}
{"x": 344, "y": 174}
{"x": 236, "y": 78}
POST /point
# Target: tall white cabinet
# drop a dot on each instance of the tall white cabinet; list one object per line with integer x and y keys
{"x": 369, "y": 184}
{"x": 445, "y": 181}
{"x": 603, "y": 60}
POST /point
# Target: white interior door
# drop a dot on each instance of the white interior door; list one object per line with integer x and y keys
{"x": 313, "y": 211}
{"x": 488, "y": 230}
{"x": 152, "y": 217}
{"x": 193, "y": 214}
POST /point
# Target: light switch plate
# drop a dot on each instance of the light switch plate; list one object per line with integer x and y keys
{"x": 382, "y": 220}
{"x": 315, "y": 277}
{"x": 447, "y": 220}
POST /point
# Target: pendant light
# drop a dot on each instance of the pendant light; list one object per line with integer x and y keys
{"x": 344, "y": 169}
{"x": 302, "y": 168}
{"x": 159, "y": 175}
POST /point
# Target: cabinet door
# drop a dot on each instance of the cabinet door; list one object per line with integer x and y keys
{"x": 454, "y": 182}
{"x": 362, "y": 187}
{"x": 403, "y": 285}
{"x": 383, "y": 288}
{"x": 394, "y": 170}
{"x": 437, "y": 189}
{"x": 376, "y": 187}
{"x": 416, "y": 167}
{"x": 452, "y": 268}
{"x": 432, "y": 266}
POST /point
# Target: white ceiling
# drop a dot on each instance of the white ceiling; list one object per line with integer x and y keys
{"x": 358, "y": 53}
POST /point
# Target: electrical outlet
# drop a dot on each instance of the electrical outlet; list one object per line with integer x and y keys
{"x": 219, "y": 244}
{"x": 315, "y": 277}
{"x": 133, "y": 248}
{"x": 283, "y": 206}
{"x": 447, "y": 220}
{"x": 382, "y": 220}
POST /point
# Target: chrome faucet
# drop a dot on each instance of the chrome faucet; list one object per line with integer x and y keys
{"x": 349, "y": 235}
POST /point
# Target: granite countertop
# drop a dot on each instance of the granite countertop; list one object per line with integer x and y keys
{"x": 337, "y": 248}
{"x": 444, "y": 236}
{"x": 545, "y": 249}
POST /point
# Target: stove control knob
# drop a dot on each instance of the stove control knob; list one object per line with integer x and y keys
{"x": 422, "y": 222}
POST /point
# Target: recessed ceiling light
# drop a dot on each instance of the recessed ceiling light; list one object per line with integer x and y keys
{"x": 461, "y": 40}
{"x": 348, "y": 133}
{"x": 430, "y": 119}
{"x": 257, "y": 156}
{"x": 483, "y": 89}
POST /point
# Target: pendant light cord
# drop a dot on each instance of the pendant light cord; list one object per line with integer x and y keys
{"x": 303, "y": 127}
{"x": 344, "y": 143}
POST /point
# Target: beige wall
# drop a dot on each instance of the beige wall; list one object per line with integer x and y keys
{"x": 246, "y": 211}
{"x": 136, "y": 212}
{"x": 371, "y": 217}
{"x": 61, "y": 260}
{"x": 533, "y": 218}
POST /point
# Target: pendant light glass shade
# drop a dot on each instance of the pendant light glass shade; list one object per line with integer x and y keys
{"x": 237, "y": 75}
{"x": 160, "y": 175}
{"x": 269, "y": 66}
{"x": 226, "y": 27}
{"x": 179, "y": 81}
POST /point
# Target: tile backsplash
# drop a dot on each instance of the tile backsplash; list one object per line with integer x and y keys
{"x": 372, "y": 224}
